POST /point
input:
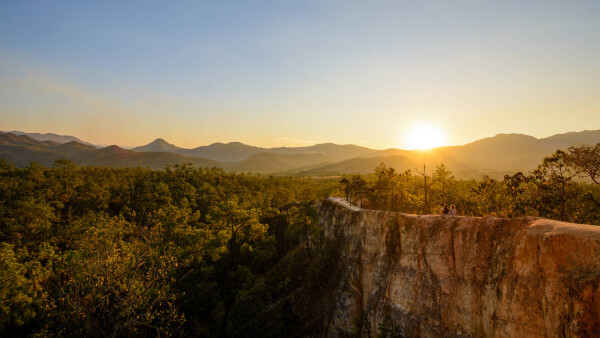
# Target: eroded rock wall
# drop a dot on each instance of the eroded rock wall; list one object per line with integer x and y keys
{"x": 432, "y": 276}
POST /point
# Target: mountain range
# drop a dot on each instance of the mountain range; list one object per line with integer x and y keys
{"x": 49, "y": 137}
{"x": 495, "y": 156}
{"x": 236, "y": 151}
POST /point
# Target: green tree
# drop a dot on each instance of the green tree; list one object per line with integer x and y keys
{"x": 585, "y": 159}
{"x": 238, "y": 224}
{"x": 487, "y": 196}
{"x": 358, "y": 186}
{"x": 346, "y": 186}
{"x": 22, "y": 274}
{"x": 304, "y": 217}
{"x": 384, "y": 187}
{"x": 555, "y": 187}
{"x": 514, "y": 187}
{"x": 444, "y": 178}
{"x": 117, "y": 281}
{"x": 425, "y": 206}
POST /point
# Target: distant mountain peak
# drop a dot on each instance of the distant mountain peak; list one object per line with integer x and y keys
{"x": 157, "y": 145}
{"x": 114, "y": 147}
{"x": 112, "y": 150}
{"x": 513, "y": 135}
{"x": 234, "y": 143}
{"x": 160, "y": 141}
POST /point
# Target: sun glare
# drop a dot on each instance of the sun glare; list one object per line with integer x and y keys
{"x": 424, "y": 136}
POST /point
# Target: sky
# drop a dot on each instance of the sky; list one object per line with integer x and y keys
{"x": 295, "y": 73}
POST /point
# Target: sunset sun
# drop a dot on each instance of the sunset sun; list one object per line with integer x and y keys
{"x": 424, "y": 136}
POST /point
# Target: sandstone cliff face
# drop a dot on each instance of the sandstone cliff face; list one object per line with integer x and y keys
{"x": 451, "y": 276}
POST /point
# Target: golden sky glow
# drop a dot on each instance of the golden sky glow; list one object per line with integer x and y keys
{"x": 294, "y": 74}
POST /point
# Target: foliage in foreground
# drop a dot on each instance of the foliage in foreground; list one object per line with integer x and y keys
{"x": 181, "y": 251}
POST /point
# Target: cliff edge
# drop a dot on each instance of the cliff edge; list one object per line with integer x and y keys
{"x": 449, "y": 276}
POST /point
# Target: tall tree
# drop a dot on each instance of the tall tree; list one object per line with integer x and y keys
{"x": 585, "y": 159}
{"x": 554, "y": 179}
{"x": 384, "y": 186}
{"x": 240, "y": 225}
{"x": 346, "y": 184}
{"x": 442, "y": 175}
{"x": 358, "y": 186}
{"x": 425, "y": 188}
{"x": 487, "y": 196}
{"x": 514, "y": 187}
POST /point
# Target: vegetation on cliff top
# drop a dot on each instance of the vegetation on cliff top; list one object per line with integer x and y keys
{"x": 550, "y": 191}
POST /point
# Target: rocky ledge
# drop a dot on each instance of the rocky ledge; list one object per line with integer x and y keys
{"x": 451, "y": 276}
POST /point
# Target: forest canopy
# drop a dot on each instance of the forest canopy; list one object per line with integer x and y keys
{"x": 89, "y": 250}
{"x": 203, "y": 252}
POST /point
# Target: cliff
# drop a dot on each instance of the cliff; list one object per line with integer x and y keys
{"x": 432, "y": 276}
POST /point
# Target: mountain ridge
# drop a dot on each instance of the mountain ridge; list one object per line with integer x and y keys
{"x": 499, "y": 154}
{"x": 49, "y": 137}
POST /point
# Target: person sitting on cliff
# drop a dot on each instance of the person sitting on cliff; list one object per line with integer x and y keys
{"x": 446, "y": 211}
{"x": 452, "y": 210}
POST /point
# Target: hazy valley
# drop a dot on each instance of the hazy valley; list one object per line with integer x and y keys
{"x": 494, "y": 156}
